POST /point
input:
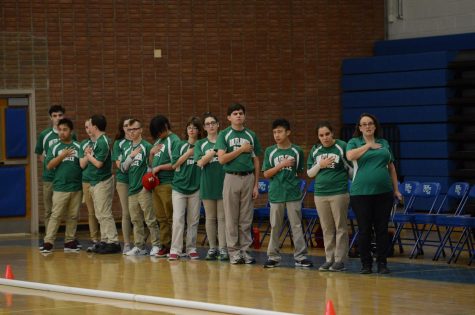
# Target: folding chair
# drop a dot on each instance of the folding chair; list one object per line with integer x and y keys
{"x": 261, "y": 214}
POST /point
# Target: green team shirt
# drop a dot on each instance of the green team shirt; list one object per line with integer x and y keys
{"x": 139, "y": 166}
{"x": 230, "y": 140}
{"x": 187, "y": 175}
{"x": 371, "y": 174}
{"x": 87, "y": 171}
{"x": 102, "y": 152}
{"x": 68, "y": 174}
{"x": 164, "y": 156}
{"x": 117, "y": 153}
{"x": 285, "y": 185}
{"x": 332, "y": 180}
{"x": 46, "y": 139}
{"x": 212, "y": 174}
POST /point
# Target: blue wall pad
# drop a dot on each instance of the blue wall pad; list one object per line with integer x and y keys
{"x": 413, "y": 114}
{"x": 426, "y": 167}
{"x": 395, "y": 63}
{"x": 396, "y": 80}
{"x": 425, "y": 132}
{"x": 407, "y": 97}
{"x": 425, "y": 44}
{"x": 427, "y": 150}
{"x": 16, "y": 140}
{"x": 13, "y": 188}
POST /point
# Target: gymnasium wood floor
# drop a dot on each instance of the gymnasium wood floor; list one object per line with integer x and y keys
{"x": 414, "y": 286}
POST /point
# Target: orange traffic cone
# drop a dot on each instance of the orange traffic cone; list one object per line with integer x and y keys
{"x": 330, "y": 309}
{"x": 9, "y": 273}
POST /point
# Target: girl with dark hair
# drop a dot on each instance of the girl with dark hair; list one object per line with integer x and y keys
{"x": 373, "y": 189}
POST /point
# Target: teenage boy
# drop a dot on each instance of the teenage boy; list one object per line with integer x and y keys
{"x": 98, "y": 157}
{"x": 238, "y": 148}
{"x": 63, "y": 158}
{"x": 135, "y": 165}
{"x": 283, "y": 162}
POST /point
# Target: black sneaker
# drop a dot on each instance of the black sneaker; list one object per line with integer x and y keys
{"x": 271, "y": 263}
{"x": 110, "y": 248}
{"x": 366, "y": 270}
{"x": 303, "y": 263}
{"x": 326, "y": 266}
{"x": 78, "y": 245}
{"x": 338, "y": 266}
{"x": 47, "y": 248}
{"x": 383, "y": 269}
{"x": 96, "y": 247}
{"x": 71, "y": 247}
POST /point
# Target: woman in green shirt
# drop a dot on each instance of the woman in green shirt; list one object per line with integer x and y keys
{"x": 373, "y": 189}
{"x": 327, "y": 163}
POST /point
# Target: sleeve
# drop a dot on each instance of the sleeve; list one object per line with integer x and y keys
{"x": 101, "y": 151}
{"x": 39, "y": 144}
{"x": 49, "y": 156}
{"x": 81, "y": 149}
{"x": 198, "y": 153}
{"x": 266, "y": 164}
{"x": 351, "y": 145}
{"x": 310, "y": 160}
{"x": 115, "y": 151}
{"x": 300, "y": 167}
{"x": 257, "y": 146}
{"x": 391, "y": 155}
{"x": 175, "y": 153}
{"x": 220, "y": 142}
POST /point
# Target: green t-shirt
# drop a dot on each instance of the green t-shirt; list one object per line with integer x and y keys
{"x": 285, "y": 185}
{"x": 46, "y": 139}
{"x": 139, "y": 166}
{"x": 332, "y": 180}
{"x": 68, "y": 174}
{"x": 117, "y": 155}
{"x": 87, "y": 171}
{"x": 102, "y": 152}
{"x": 164, "y": 156}
{"x": 230, "y": 140}
{"x": 187, "y": 175}
{"x": 212, "y": 174}
{"x": 371, "y": 174}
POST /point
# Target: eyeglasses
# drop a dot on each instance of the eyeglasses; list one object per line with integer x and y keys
{"x": 211, "y": 123}
{"x": 190, "y": 128}
{"x": 369, "y": 124}
{"x": 133, "y": 129}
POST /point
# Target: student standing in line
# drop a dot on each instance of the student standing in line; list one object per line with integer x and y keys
{"x": 238, "y": 148}
{"x": 211, "y": 189}
{"x": 282, "y": 164}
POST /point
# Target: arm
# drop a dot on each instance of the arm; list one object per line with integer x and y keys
{"x": 224, "y": 157}
{"x": 392, "y": 173}
{"x": 324, "y": 163}
{"x": 205, "y": 159}
{"x": 124, "y": 166}
{"x": 274, "y": 170}
{"x": 53, "y": 163}
{"x": 163, "y": 167}
{"x": 255, "y": 191}
{"x": 183, "y": 158}
{"x": 355, "y": 154}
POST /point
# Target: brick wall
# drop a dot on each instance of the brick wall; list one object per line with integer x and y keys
{"x": 280, "y": 58}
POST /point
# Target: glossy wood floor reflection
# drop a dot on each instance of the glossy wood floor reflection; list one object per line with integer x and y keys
{"x": 281, "y": 289}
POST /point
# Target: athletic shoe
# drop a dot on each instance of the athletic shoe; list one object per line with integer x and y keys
{"x": 95, "y": 247}
{"x": 172, "y": 257}
{"x": 70, "y": 247}
{"x": 193, "y": 255}
{"x": 237, "y": 260}
{"x": 365, "y": 270}
{"x": 338, "y": 266}
{"x": 47, "y": 248}
{"x": 78, "y": 245}
{"x": 271, "y": 263}
{"x": 212, "y": 254}
{"x": 303, "y": 263}
{"x": 40, "y": 244}
{"x": 248, "y": 259}
{"x": 223, "y": 254}
{"x": 137, "y": 252}
{"x": 154, "y": 251}
{"x": 163, "y": 252}
{"x": 127, "y": 247}
{"x": 326, "y": 266}
{"x": 383, "y": 268}
{"x": 110, "y": 248}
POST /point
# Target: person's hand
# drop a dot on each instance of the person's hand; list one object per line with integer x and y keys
{"x": 67, "y": 152}
{"x": 287, "y": 162}
{"x": 155, "y": 170}
{"x": 135, "y": 152}
{"x": 255, "y": 192}
{"x": 190, "y": 151}
{"x": 374, "y": 145}
{"x": 398, "y": 195}
{"x": 326, "y": 162}
{"x": 88, "y": 151}
{"x": 210, "y": 153}
{"x": 156, "y": 149}
{"x": 246, "y": 147}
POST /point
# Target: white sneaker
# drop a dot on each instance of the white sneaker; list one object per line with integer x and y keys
{"x": 154, "y": 251}
{"x": 136, "y": 252}
{"x": 127, "y": 248}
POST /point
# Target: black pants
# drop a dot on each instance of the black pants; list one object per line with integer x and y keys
{"x": 372, "y": 212}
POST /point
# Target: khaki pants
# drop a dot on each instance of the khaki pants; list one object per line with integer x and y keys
{"x": 163, "y": 205}
{"x": 47, "y": 202}
{"x": 185, "y": 206}
{"x": 214, "y": 213}
{"x": 102, "y": 194}
{"x": 294, "y": 214}
{"x": 64, "y": 204}
{"x": 333, "y": 212}
{"x": 140, "y": 207}
{"x": 123, "y": 192}
{"x": 93, "y": 223}
{"x": 238, "y": 212}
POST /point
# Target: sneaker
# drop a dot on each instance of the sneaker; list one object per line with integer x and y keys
{"x": 172, "y": 257}
{"x": 223, "y": 254}
{"x": 47, "y": 248}
{"x": 212, "y": 254}
{"x": 40, "y": 244}
{"x": 338, "y": 266}
{"x": 127, "y": 247}
{"x": 271, "y": 263}
{"x": 326, "y": 266}
{"x": 110, "y": 248}
{"x": 163, "y": 252}
{"x": 248, "y": 259}
{"x": 78, "y": 245}
{"x": 136, "y": 251}
{"x": 366, "y": 270}
{"x": 383, "y": 269}
{"x": 193, "y": 255}
{"x": 154, "y": 251}
{"x": 303, "y": 263}
{"x": 71, "y": 247}
{"x": 94, "y": 248}
{"x": 237, "y": 260}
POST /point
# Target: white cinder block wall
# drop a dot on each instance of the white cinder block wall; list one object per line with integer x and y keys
{"x": 422, "y": 18}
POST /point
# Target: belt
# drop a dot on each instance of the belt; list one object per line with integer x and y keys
{"x": 240, "y": 173}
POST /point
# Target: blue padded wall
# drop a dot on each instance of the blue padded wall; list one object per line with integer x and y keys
{"x": 13, "y": 188}
{"x": 412, "y": 114}
{"x": 16, "y": 139}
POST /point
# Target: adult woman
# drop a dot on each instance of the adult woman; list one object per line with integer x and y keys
{"x": 373, "y": 188}
{"x": 211, "y": 189}
{"x": 327, "y": 163}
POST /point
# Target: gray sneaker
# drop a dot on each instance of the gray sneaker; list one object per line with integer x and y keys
{"x": 248, "y": 259}
{"x": 326, "y": 266}
{"x": 127, "y": 247}
{"x": 337, "y": 266}
{"x": 237, "y": 260}
{"x": 223, "y": 254}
